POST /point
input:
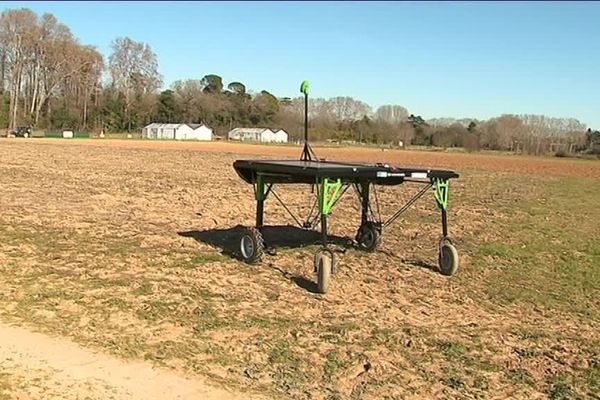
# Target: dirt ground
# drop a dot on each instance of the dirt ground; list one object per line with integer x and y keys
{"x": 495, "y": 162}
{"x": 124, "y": 247}
{"x": 62, "y": 369}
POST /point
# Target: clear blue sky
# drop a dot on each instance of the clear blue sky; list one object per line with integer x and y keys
{"x": 437, "y": 59}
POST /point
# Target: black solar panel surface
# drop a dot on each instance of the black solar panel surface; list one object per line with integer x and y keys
{"x": 306, "y": 171}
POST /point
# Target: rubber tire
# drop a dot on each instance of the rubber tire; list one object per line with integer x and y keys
{"x": 368, "y": 237}
{"x": 258, "y": 245}
{"x": 319, "y": 253}
{"x": 323, "y": 272}
{"x": 448, "y": 259}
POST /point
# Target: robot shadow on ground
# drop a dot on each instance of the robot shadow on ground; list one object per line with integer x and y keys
{"x": 275, "y": 236}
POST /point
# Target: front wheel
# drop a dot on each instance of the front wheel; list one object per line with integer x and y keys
{"x": 330, "y": 254}
{"x": 448, "y": 259}
{"x": 252, "y": 245}
{"x": 323, "y": 264}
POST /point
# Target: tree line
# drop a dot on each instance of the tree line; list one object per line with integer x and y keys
{"x": 49, "y": 80}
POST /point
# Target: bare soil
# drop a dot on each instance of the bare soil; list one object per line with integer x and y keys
{"x": 127, "y": 247}
{"x": 479, "y": 160}
{"x": 42, "y": 367}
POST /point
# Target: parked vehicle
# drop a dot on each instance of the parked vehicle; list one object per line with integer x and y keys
{"x": 20, "y": 131}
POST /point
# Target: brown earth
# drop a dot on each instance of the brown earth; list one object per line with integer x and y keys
{"x": 496, "y": 162}
{"x": 124, "y": 247}
{"x": 44, "y": 367}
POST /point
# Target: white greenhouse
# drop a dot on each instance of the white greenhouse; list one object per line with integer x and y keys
{"x": 258, "y": 135}
{"x": 177, "y": 131}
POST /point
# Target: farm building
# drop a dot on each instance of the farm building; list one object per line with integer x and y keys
{"x": 177, "y": 131}
{"x": 258, "y": 135}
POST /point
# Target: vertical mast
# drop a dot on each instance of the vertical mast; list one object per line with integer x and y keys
{"x": 307, "y": 153}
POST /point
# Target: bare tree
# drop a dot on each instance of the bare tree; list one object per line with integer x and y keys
{"x": 393, "y": 114}
{"x": 88, "y": 78}
{"x": 551, "y": 125}
{"x": 41, "y": 59}
{"x": 506, "y": 132}
{"x": 133, "y": 69}
{"x": 406, "y": 133}
{"x": 16, "y": 43}
{"x": 347, "y": 109}
{"x": 58, "y": 60}
{"x": 188, "y": 96}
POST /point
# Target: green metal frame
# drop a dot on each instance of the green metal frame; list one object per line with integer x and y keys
{"x": 441, "y": 189}
{"x": 327, "y": 198}
{"x": 259, "y": 188}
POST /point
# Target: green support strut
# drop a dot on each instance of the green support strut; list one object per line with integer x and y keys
{"x": 327, "y": 198}
{"x": 441, "y": 189}
{"x": 260, "y": 195}
{"x": 259, "y": 189}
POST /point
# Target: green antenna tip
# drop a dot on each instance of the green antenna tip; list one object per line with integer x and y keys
{"x": 304, "y": 87}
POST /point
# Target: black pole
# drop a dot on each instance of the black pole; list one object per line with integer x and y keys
{"x": 305, "y": 119}
{"x": 324, "y": 229}
{"x": 260, "y": 206}
{"x": 306, "y": 156}
{"x": 444, "y": 223}
{"x": 365, "y": 203}
{"x": 307, "y": 153}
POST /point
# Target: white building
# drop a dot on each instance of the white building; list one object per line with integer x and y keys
{"x": 258, "y": 135}
{"x": 177, "y": 131}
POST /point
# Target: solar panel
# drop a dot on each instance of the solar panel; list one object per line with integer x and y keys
{"x": 297, "y": 171}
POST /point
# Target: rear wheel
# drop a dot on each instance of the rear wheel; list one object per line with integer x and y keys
{"x": 368, "y": 236}
{"x": 252, "y": 246}
{"x": 448, "y": 259}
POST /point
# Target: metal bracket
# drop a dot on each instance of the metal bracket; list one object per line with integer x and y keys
{"x": 260, "y": 194}
{"x": 327, "y": 199}
{"x": 441, "y": 189}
